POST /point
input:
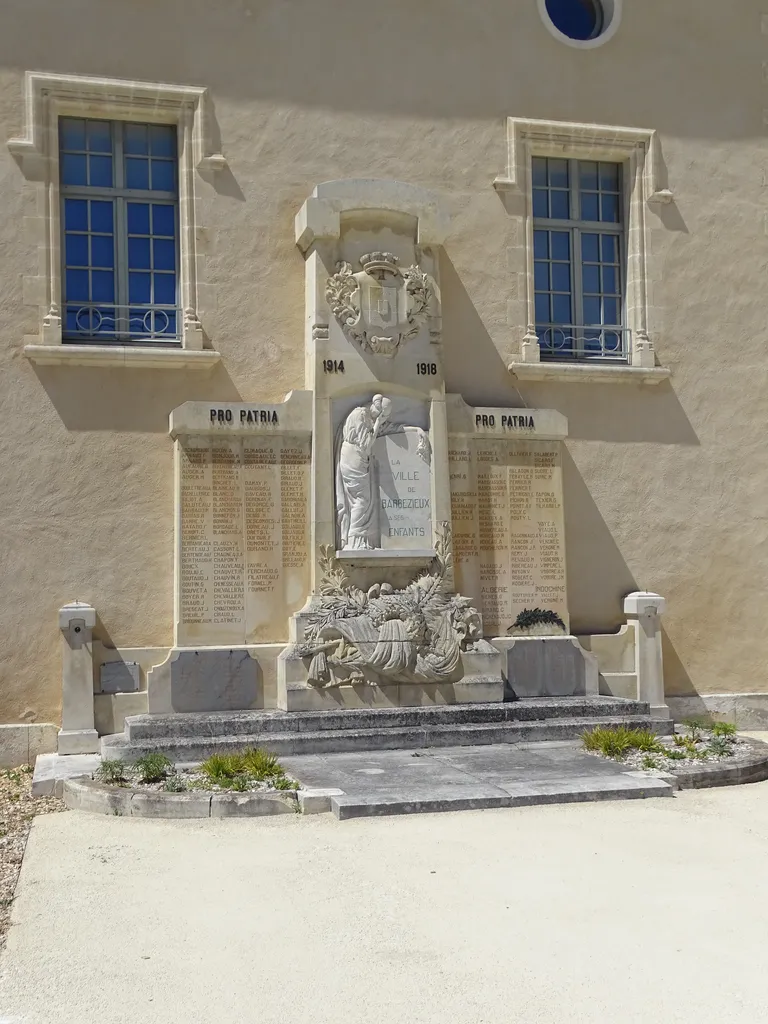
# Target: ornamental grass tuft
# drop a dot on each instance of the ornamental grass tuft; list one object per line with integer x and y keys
{"x": 617, "y": 743}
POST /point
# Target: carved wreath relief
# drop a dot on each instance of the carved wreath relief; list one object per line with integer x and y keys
{"x": 381, "y": 635}
{"x": 382, "y": 307}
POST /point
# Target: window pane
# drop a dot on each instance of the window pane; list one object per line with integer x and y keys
{"x": 540, "y": 205}
{"x": 558, "y": 173}
{"x": 542, "y": 309}
{"x": 76, "y": 250}
{"x": 610, "y": 311}
{"x": 139, "y": 287}
{"x": 561, "y": 309}
{"x": 560, "y": 242}
{"x": 72, "y": 133}
{"x": 591, "y": 310}
{"x": 589, "y": 206}
{"x": 162, "y": 140}
{"x": 541, "y": 244}
{"x": 102, "y": 251}
{"x": 588, "y": 175}
{"x": 136, "y": 173}
{"x": 99, "y": 137}
{"x": 102, "y": 286}
{"x": 591, "y": 278}
{"x": 609, "y": 177}
{"x": 610, "y": 281}
{"x": 101, "y": 216}
{"x": 73, "y": 170}
{"x": 561, "y": 277}
{"x": 77, "y": 286}
{"x": 101, "y": 171}
{"x": 138, "y": 218}
{"x": 163, "y": 177}
{"x": 560, "y": 208}
{"x": 138, "y": 253}
{"x": 609, "y": 208}
{"x": 75, "y": 215}
{"x": 539, "y": 169}
{"x": 164, "y": 220}
{"x": 589, "y": 248}
{"x": 541, "y": 276}
{"x": 135, "y": 139}
{"x": 165, "y": 289}
{"x": 164, "y": 251}
{"x": 609, "y": 247}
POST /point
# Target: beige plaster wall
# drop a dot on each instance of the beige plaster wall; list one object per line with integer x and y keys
{"x": 665, "y": 487}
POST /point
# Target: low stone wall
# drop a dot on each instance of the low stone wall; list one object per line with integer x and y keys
{"x": 751, "y": 769}
{"x": 745, "y": 710}
{"x": 86, "y": 795}
{"x": 21, "y": 743}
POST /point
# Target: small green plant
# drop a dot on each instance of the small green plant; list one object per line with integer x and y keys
{"x": 649, "y": 761}
{"x": 530, "y": 617}
{"x": 113, "y": 772}
{"x": 154, "y": 767}
{"x": 679, "y": 740}
{"x": 721, "y": 746}
{"x": 260, "y": 764}
{"x": 695, "y": 728}
{"x": 646, "y": 741}
{"x": 174, "y": 784}
{"x": 222, "y": 768}
{"x": 283, "y": 783}
{"x": 239, "y": 784}
{"x": 675, "y": 755}
{"x": 724, "y": 730}
{"x": 617, "y": 743}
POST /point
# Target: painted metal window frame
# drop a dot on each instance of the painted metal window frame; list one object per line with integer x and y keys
{"x": 121, "y": 195}
{"x": 576, "y": 226}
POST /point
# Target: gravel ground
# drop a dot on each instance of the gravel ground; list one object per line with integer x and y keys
{"x": 17, "y": 809}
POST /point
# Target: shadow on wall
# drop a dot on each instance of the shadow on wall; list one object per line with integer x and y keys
{"x": 131, "y": 400}
{"x": 473, "y": 366}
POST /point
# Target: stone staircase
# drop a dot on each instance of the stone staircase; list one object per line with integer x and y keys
{"x": 191, "y": 737}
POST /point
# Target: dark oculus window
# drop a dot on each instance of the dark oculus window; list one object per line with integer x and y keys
{"x": 578, "y": 250}
{"x": 577, "y": 19}
{"x": 119, "y": 196}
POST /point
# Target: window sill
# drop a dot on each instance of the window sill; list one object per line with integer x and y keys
{"x": 122, "y": 355}
{"x": 589, "y": 373}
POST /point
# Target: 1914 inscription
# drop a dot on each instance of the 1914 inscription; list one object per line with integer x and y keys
{"x": 508, "y": 529}
{"x": 243, "y": 538}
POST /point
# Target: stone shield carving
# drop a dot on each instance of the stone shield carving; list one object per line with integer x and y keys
{"x": 382, "y": 635}
{"x": 381, "y": 307}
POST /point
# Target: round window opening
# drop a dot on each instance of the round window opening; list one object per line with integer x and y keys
{"x": 577, "y": 19}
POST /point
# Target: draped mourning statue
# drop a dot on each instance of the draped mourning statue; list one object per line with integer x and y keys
{"x": 357, "y": 504}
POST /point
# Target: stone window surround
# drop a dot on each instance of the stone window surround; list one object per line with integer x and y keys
{"x": 50, "y": 96}
{"x": 638, "y": 150}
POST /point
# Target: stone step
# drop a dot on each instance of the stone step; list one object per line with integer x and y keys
{"x": 255, "y": 724}
{"x": 189, "y": 749}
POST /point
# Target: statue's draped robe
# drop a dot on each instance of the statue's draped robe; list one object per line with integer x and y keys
{"x": 355, "y": 500}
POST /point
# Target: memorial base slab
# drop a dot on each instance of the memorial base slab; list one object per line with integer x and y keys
{"x": 549, "y": 666}
{"x": 481, "y": 682}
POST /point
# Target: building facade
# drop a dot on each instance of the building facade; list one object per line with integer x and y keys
{"x": 599, "y": 254}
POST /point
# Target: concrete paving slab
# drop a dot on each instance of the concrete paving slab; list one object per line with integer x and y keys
{"x": 468, "y": 778}
{"x": 51, "y": 771}
{"x": 628, "y": 911}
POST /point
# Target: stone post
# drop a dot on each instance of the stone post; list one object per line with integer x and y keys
{"x": 77, "y": 734}
{"x": 644, "y": 610}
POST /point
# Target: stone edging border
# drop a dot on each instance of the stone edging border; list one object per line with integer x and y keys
{"x": 87, "y": 795}
{"x": 753, "y": 769}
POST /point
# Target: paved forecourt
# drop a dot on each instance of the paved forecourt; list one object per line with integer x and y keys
{"x": 629, "y": 911}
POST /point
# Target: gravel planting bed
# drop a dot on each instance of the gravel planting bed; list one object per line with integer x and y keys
{"x": 17, "y": 809}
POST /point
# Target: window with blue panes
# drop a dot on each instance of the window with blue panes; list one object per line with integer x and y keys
{"x": 578, "y": 251}
{"x": 119, "y": 236}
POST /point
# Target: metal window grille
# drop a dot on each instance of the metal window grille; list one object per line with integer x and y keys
{"x": 119, "y": 210}
{"x": 578, "y": 251}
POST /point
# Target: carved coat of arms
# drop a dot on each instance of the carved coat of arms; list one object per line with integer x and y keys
{"x": 382, "y": 306}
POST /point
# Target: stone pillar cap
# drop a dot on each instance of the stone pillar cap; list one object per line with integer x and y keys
{"x": 644, "y": 602}
{"x": 77, "y": 610}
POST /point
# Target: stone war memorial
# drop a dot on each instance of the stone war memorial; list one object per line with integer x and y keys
{"x": 365, "y": 540}
{"x": 373, "y": 542}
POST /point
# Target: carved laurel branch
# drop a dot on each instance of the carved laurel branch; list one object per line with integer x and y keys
{"x": 334, "y": 582}
{"x": 338, "y": 293}
{"x": 418, "y": 289}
